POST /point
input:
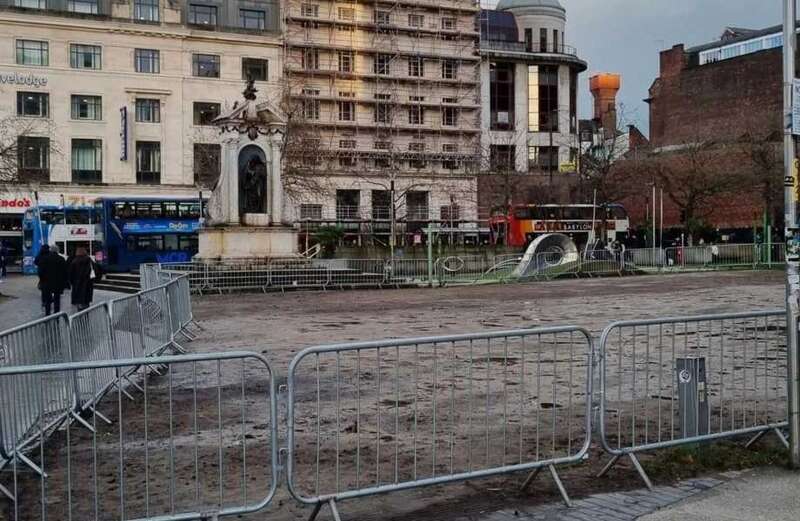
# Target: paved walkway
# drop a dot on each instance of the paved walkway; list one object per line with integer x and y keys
{"x": 770, "y": 494}
{"x": 20, "y": 301}
{"x": 617, "y": 506}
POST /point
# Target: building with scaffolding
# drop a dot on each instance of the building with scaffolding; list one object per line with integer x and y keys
{"x": 529, "y": 98}
{"x": 383, "y": 101}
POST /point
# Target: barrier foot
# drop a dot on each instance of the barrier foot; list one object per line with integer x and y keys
{"x": 641, "y": 471}
{"x": 532, "y": 476}
{"x": 5, "y": 492}
{"x": 134, "y": 384}
{"x": 33, "y": 466}
{"x": 608, "y": 466}
{"x": 318, "y": 507}
{"x": 84, "y": 423}
{"x": 179, "y": 349}
{"x": 782, "y": 438}
{"x": 560, "y": 486}
{"x": 755, "y": 439}
{"x": 196, "y": 324}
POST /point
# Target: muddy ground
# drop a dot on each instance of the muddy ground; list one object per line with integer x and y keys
{"x": 422, "y": 411}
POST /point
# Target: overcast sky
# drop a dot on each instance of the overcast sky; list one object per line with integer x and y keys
{"x": 625, "y": 36}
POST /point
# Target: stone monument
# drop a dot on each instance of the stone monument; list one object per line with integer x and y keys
{"x": 244, "y": 217}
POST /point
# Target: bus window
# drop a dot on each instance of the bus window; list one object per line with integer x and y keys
{"x": 618, "y": 212}
{"x": 171, "y": 210}
{"x": 78, "y": 217}
{"x": 27, "y": 238}
{"x": 52, "y": 216}
{"x": 189, "y": 210}
{"x": 171, "y": 243}
{"x": 523, "y": 214}
{"x": 123, "y": 211}
{"x": 188, "y": 243}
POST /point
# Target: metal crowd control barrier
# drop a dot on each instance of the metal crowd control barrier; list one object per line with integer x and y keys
{"x": 678, "y": 381}
{"x": 201, "y": 444}
{"x": 380, "y": 417}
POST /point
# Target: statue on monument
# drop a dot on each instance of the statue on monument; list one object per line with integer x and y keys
{"x": 253, "y": 186}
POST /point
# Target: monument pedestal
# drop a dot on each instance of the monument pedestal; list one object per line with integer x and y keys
{"x": 247, "y": 242}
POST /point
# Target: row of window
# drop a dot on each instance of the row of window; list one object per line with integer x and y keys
{"x": 147, "y": 11}
{"x": 383, "y": 113}
{"x": 90, "y": 108}
{"x": 382, "y": 64}
{"x": 727, "y": 52}
{"x": 86, "y": 160}
{"x": 146, "y": 61}
{"x": 381, "y": 17}
{"x": 556, "y": 45}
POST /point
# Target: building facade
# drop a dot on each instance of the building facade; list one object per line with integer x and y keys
{"x": 387, "y": 97}
{"x": 116, "y": 97}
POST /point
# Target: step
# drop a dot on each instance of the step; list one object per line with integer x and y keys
{"x": 101, "y": 286}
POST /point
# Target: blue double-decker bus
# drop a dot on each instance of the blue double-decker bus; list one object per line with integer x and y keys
{"x": 136, "y": 231}
{"x": 68, "y": 228}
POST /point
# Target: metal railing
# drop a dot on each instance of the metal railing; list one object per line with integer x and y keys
{"x": 200, "y": 444}
{"x": 145, "y": 324}
{"x": 678, "y": 381}
{"x": 377, "y": 417}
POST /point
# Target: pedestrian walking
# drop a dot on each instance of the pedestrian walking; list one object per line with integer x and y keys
{"x": 83, "y": 273}
{"x": 52, "y": 270}
{"x": 4, "y": 254}
{"x": 44, "y": 250}
{"x": 714, "y": 254}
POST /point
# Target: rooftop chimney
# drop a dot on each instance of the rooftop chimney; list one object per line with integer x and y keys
{"x": 604, "y": 88}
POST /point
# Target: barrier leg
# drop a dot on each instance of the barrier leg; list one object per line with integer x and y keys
{"x": 5, "y": 492}
{"x": 556, "y": 478}
{"x": 781, "y": 437}
{"x": 641, "y": 471}
{"x": 755, "y": 439}
{"x": 27, "y": 461}
{"x": 613, "y": 461}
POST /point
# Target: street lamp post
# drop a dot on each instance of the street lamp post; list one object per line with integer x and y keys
{"x": 792, "y": 231}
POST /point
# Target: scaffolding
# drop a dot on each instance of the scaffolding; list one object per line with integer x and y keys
{"x": 392, "y": 91}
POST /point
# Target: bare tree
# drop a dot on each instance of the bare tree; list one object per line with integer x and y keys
{"x": 762, "y": 164}
{"x": 15, "y": 134}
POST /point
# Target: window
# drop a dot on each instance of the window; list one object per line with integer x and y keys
{"x": 415, "y": 115}
{"x": 542, "y": 40}
{"x": 501, "y": 96}
{"x": 202, "y": 14}
{"x": 33, "y": 158}
{"x": 449, "y": 116}
{"x": 543, "y": 98}
{"x": 417, "y": 205}
{"x": 348, "y": 144}
{"x": 147, "y": 61}
{"x": 417, "y": 149}
{"x": 383, "y": 17}
{"x": 381, "y": 204}
{"x": 31, "y": 4}
{"x": 87, "y": 107}
{"x": 205, "y": 113}
{"x": 450, "y": 163}
{"x": 207, "y": 164}
{"x": 383, "y": 113}
{"x": 348, "y": 14}
{"x": 449, "y": 213}
{"x": 309, "y": 10}
{"x": 449, "y": 69}
{"x": 416, "y": 20}
{"x": 205, "y": 65}
{"x": 347, "y": 111}
{"x": 501, "y": 158}
{"x": 82, "y": 6}
{"x": 87, "y": 161}
{"x": 252, "y": 19}
{"x": 148, "y": 111}
{"x": 33, "y": 104}
{"x": 311, "y": 106}
{"x": 416, "y": 66}
{"x": 347, "y": 161}
{"x": 33, "y": 52}
{"x": 145, "y": 10}
{"x": 255, "y": 69}
{"x": 347, "y": 204}
{"x": 383, "y": 64}
{"x": 542, "y": 158}
{"x": 555, "y": 40}
{"x": 148, "y": 162}
{"x": 529, "y": 39}
{"x": 345, "y": 61}
{"x": 309, "y": 212}
{"x": 311, "y": 59}
{"x": 448, "y": 24}
{"x": 85, "y": 56}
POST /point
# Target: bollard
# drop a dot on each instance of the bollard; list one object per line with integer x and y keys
{"x": 692, "y": 396}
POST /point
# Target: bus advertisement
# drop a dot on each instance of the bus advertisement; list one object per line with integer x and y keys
{"x": 135, "y": 231}
{"x": 68, "y": 228}
{"x": 585, "y": 223}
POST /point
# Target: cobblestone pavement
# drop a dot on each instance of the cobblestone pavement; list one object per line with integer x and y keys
{"x": 20, "y": 301}
{"x": 620, "y": 506}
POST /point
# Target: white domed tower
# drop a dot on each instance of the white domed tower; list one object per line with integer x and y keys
{"x": 529, "y": 87}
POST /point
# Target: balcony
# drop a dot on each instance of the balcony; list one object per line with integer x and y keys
{"x": 535, "y": 52}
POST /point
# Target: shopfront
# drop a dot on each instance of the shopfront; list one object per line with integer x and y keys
{"x": 12, "y": 209}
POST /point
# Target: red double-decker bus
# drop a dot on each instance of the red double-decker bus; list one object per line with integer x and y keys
{"x": 585, "y": 223}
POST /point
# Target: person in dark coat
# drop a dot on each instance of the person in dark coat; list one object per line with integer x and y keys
{"x": 83, "y": 272}
{"x": 4, "y": 254}
{"x": 43, "y": 252}
{"x": 52, "y": 270}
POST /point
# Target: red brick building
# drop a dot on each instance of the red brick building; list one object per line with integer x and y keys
{"x": 719, "y": 92}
